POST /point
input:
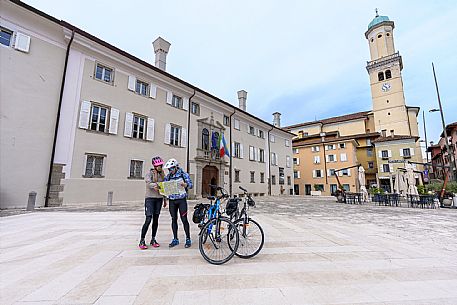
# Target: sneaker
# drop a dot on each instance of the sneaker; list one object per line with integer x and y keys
{"x": 154, "y": 243}
{"x": 188, "y": 243}
{"x": 142, "y": 245}
{"x": 174, "y": 242}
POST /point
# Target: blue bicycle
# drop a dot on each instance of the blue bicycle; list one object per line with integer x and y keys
{"x": 218, "y": 239}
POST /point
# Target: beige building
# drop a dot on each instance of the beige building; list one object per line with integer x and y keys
{"x": 386, "y": 136}
{"x": 328, "y": 154}
{"x": 116, "y": 112}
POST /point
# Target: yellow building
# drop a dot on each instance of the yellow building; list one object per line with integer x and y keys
{"x": 383, "y": 139}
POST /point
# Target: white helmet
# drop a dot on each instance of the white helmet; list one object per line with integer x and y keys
{"x": 171, "y": 163}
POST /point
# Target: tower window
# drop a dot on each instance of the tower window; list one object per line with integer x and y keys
{"x": 380, "y": 76}
{"x": 388, "y": 113}
{"x": 387, "y": 34}
{"x": 388, "y": 74}
{"x": 372, "y": 39}
{"x": 380, "y": 35}
{"x": 387, "y": 101}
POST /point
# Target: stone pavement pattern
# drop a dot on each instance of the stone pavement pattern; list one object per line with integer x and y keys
{"x": 316, "y": 252}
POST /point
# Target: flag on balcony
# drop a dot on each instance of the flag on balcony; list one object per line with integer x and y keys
{"x": 214, "y": 140}
{"x": 223, "y": 150}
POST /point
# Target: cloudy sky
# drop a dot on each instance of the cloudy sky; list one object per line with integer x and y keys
{"x": 304, "y": 59}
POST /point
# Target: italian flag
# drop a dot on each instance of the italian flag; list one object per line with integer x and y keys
{"x": 223, "y": 150}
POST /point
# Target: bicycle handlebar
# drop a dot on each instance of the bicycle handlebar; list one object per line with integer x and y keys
{"x": 218, "y": 188}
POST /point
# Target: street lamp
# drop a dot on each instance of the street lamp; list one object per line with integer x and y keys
{"x": 446, "y": 140}
{"x": 425, "y": 134}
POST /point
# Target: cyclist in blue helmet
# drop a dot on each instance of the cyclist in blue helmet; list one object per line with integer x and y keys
{"x": 178, "y": 202}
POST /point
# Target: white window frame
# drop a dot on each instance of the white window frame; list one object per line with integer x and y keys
{"x": 343, "y": 157}
{"x": 92, "y": 173}
{"x": 226, "y": 120}
{"x": 134, "y": 176}
{"x": 261, "y": 155}
{"x": 177, "y": 101}
{"x": 195, "y": 108}
{"x": 107, "y": 117}
{"x": 175, "y": 130}
{"x": 142, "y": 88}
{"x": 236, "y": 124}
{"x": 317, "y": 160}
{"x": 103, "y": 75}
{"x": 139, "y": 118}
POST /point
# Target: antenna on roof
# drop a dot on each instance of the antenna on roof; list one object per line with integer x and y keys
{"x": 376, "y": 10}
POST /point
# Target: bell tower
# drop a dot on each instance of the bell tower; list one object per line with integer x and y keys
{"x": 384, "y": 69}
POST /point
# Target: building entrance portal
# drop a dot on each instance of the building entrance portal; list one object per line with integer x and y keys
{"x": 210, "y": 175}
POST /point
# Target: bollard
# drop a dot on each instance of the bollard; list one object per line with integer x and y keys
{"x": 31, "y": 202}
{"x": 110, "y": 198}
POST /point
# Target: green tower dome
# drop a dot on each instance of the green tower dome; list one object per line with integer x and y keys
{"x": 377, "y": 20}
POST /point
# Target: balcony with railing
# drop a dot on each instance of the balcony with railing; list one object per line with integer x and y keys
{"x": 385, "y": 60}
{"x": 208, "y": 155}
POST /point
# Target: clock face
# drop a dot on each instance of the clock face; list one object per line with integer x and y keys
{"x": 386, "y": 87}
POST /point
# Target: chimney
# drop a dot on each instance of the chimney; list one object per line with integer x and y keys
{"x": 161, "y": 47}
{"x": 383, "y": 133}
{"x": 242, "y": 96}
{"x": 392, "y": 133}
{"x": 277, "y": 119}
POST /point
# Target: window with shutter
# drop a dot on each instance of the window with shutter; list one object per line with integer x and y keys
{"x": 236, "y": 124}
{"x": 138, "y": 126}
{"x": 150, "y": 130}
{"x": 183, "y": 137}
{"x": 5, "y": 36}
{"x": 22, "y": 42}
{"x": 167, "y": 133}
{"x": 98, "y": 119}
{"x": 84, "y": 115}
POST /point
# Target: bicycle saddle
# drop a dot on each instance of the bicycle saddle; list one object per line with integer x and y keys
{"x": 211, "y": 198}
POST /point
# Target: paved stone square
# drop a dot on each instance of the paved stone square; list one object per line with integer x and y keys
{"x": 317, "y": 251}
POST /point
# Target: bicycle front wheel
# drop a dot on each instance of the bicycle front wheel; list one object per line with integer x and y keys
{"x": 214, "y": 241}
{"x": 251, "y": 238}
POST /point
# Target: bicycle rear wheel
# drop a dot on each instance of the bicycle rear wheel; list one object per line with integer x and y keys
{"x": 214, "y": 241}
{"x": 251, "y": 238}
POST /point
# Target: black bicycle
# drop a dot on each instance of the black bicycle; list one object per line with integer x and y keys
{"x": 218, "y": 241}
{"x": 251, "y": 236}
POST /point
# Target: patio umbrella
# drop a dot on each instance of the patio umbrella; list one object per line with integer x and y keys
{"x": 397, "y": 182}
{"x": 403, "y": 186}
{"x": 411, "y": 180}
{"x": 363, "y": 189}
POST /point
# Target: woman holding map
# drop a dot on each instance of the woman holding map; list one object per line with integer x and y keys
{"x": 153, "y": 202}
{"x": 178, "y": 201}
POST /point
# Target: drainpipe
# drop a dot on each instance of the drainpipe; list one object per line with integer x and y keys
{"x": 188, "y": 134}
{"x": 56, "y": 127}
{"x": 231, "y": 156}
{"x": 269, "y": 163}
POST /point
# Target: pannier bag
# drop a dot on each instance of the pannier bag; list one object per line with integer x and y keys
{"x": 232, "y": 206}
{"x": 199, "y": 212}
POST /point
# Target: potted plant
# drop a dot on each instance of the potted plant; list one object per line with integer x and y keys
{"x": 317, "y": 190}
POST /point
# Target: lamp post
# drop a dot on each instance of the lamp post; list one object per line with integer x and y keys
{"x": 425, "y": 135}
{"x": 449, "y": 152}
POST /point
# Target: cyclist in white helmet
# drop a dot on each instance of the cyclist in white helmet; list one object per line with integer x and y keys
{"x": 153, "y": 202}
{"x": 178, "y": 202}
